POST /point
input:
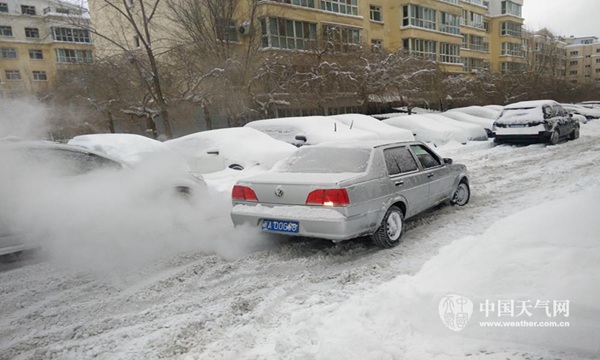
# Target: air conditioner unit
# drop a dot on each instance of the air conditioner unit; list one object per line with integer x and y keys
{"x": 244, "y": 29}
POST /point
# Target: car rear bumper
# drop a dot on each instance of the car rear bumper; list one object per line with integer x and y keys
{"x": 314, "y": 222}
{"x": 541, "y": 137}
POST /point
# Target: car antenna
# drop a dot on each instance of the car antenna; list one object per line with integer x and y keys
{"x": 334, "y": 127}
{"x": 352, "y": 123}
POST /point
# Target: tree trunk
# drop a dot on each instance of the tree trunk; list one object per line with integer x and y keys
{"x": 151, "y": 126}
{"x": 207, "y": 118}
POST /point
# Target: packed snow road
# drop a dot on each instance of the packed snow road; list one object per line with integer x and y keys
{"x": 243, "y": 295}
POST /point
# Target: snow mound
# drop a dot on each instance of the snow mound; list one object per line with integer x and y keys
{"x": 545, "y": 253}
{"x": 471, "y": 119}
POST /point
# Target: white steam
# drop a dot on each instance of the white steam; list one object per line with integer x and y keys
{"x": 23, "y": 118}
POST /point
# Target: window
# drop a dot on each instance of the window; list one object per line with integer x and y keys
{"x": 377, "y": 45}
{"x": 32, "y": 33}
{"x": 449, "y": 53}
{"x": 39, "y": 76}
{"x": 573, "y": 72}
{"x": 449, "y": 23}
{"x": 465, "y": 41}
{"x": 349, "y": 7}
{"x": 597, "y": 61}
{"x": 512, "y": 67}
{"x": 511, "y": 49}
{"x": 71, "y": 35}
{"x": 303, "y": 3}
{"x": 8, "y": 53}
{"x": 27, "y": 10}
{"x": 597, "y": 71}
{"x": 477, "y": 20}
{"x": 35, "y": 54}
{"x": 509, "y": 28}
{"x": 464, "y": 17}
{"x": 474, "y": 64}
{"x": 588, "y": 66}
{"x": 511, "y": 8}
{"x": 72, "y": 56}
{"x": 6, "y": 31}
{"x": 574, "y": 62}
{"x": 3, "y": 7}
{"x": 478, "y": 43}
{"x": 12, "y": 75}
{"x": 426, "y": 158}
{"x": 375, "y": 13}
{"x": 399, "y": 161}
{"x": 574, "y": 53}
{"x": 421, "y": 47}
{"x": 226, "y": 30}
{"x": 287, "y": 34}
{"x": 455, "y": 2}
{"x": 419, "y": 16}
{"x": 341, "y": 39}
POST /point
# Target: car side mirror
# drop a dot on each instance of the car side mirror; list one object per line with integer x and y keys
{"x": 300, "y": 138}
{"x": 448, "y": 161}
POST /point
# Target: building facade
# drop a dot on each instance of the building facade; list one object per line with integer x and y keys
{"x": 37, "y": 39}
{"x": 583, "y": 60}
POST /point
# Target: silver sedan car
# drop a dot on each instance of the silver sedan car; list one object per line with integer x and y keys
{"x": 340, "y": 192}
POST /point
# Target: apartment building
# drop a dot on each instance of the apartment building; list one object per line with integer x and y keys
{"x": 583, "y": 60}
{"x": 464, "y": 36}
{"x": 545, "y": 53}
{"x": 37, "y": 39}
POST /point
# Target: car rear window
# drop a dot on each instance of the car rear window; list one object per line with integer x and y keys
{"x": 326, "y": 160}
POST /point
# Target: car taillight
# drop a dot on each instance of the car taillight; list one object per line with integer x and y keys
{"x": 243, "y": 193}
{"x": 328, "y": 197}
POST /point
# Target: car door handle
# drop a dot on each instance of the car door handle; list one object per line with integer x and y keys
{"x": 399, "y": 183}
{"x": 430, "y": 175}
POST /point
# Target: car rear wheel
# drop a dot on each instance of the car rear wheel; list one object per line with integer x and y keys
{"x": 574, "y": 134}
{"x": 554, "y": 138}
{"x": 390, "y": 231}
{"x": 462, "y": 194}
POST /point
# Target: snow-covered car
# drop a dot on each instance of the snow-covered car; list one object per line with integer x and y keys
{"x": 343, "y": 191}
{"x": 588, "y": 113}
{"x": 369, "y": 123}
{"x": 429, "y": 130}
{"x": 474, "y": 132}
{"x": 486, "y": 123}
{"x": 481, "y": 111}
{"x": 233, "y": 148}
{"x": 47, "y": 161}
{"x": 535, "y": 121}
{"x": 310, "y": 130}
{"x": 131, "y": 148}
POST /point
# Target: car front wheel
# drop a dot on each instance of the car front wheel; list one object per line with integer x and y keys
{"x": 574, "y": 134}
{"x": 554, "y": 138}
{"x": 390, "y": 231}
{"x": 462, "y": 194}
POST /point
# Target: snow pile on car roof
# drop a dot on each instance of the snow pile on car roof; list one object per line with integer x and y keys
{"x": 474, "y": 132}
{"x": 486, "y": 123}
{"x": 484, "y": 112}
{"x": 316, "y": 129}
{"x": 369, "y": 123}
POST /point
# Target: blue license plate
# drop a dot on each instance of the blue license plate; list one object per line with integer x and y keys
{"x": 280, "y": 226}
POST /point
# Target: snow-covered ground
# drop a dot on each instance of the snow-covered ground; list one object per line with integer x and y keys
{"x": 530, "y": 233}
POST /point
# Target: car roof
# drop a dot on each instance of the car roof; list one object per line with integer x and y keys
{"x": 366, "y": 144}
{"x": 531, "y": 104}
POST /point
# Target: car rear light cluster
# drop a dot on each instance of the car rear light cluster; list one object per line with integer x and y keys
{"x": 328, "y": 197}
{"x": 243, "y": 193}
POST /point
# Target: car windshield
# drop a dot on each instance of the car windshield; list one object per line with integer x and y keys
{"x": 326, "y": 160}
